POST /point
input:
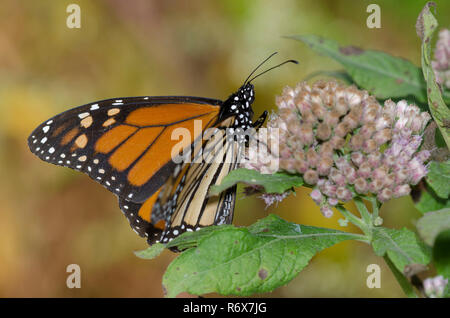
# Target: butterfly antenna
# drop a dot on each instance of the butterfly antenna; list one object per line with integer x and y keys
{"x": 260, "y": 64}
{"x": 285, "y": 62}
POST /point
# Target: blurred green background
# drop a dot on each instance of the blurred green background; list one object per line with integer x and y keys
{"x": 51, "y": 217}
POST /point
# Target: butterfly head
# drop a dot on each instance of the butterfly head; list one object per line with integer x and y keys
{"x": 239, "y": 103}
{"x": 246, "y": 93}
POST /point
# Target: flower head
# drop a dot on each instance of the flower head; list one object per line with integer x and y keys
{"x": 272, "y": 198}
{"x": 345, "y": 143}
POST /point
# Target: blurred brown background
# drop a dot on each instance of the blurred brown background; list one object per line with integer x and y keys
{"x": 51, "y": 217}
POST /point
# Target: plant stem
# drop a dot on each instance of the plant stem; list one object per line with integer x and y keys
{"x": 365, "y": 214}
{"x": 401, "y": 279}
{"x": 366, "y": 224}
{"x": 353, "y": 218}
{"x": 375, "y": 208}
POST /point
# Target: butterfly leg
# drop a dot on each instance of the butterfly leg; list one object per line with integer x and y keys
{"x": 260, "y": 121}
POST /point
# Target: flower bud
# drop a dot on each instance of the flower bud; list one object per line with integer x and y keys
{"x": 341, "y": 130}
{"x": 311, "y": 177}
{"x": 364, "y": 170}
{"x": 306, "y": 136}
{"x": 417, "y": 174}
{"x": 357, "y": 158}
{"x": 389, "y": 181}
{"x": 361, "y": 186}
{"x": 382, "y": 122}
{"x": 287, "y": 165}
{"x": 341, "y": 163}
{"x": 401, "y": 176}
{"x": 401, "y": 190}
{"x": 316, "y": 196}
{"x": 323, "y": 131}
{"x": 380, "y": 173}
{"x": 332, "y": 201}
{"x": 341, "y": 106}
{"x": 337, "y": 142}
{"x": 370, "y": 146}
{"x": 324, "y": 166}
{"x": 318, "y": 110}
{"x": 350, "y": 174}
{"x": 374, "y": 159}
{"x": 357, "y": 142}
{"x": 367, "y": 130}
{"x": 332, "y": 118}
{"x": 337, "y": 177}
{"x": 375, "y": 185}
{"x": 300, "y": 166}
{"x": 326, "y": 211}
{"x": 343, "y": 194}
{"x": 425, "y": 118}
{"x": 401, "y": 107}
{"x": 384, "y": 195}
{"x": 423, "y": 155}
{"x": 328, "y": 188}
{"x": 352, "y": 120}
{"x": 312, "y": 157}
{"x": 382, "y": 136}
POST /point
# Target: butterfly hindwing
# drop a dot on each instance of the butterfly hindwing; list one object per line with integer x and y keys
{"x": 123, "y": 143}
{"x": 183, "y": 203}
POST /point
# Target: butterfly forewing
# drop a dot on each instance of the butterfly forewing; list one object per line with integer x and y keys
{"x": 124, "y": 143}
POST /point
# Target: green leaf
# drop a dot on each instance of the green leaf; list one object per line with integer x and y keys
{"x": 191, "y": 239}
{"x": 342, "y": 75}
{"x": 402, "y": 246}
{"x": 432, "y": 223}
{"x": 426, "y": 25}
{"x": 273, "y": 183}
{"x": 447, "y": 291}
{"x": 438, "y": 178}
{"x": 383, "y": 75}
{"x": 244, "y": 261}
{"x": 441, "y": 253}
{"x": 151, "y": 252}
{"x": 426, "y": 199}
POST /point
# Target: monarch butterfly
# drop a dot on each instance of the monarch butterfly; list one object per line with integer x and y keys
{"x": 125, "y": 144}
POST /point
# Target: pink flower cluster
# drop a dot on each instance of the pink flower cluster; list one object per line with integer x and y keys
{"x": 434, "y": 287}
{"x": 441, "y": 64}
{"x": 345, "y": 143}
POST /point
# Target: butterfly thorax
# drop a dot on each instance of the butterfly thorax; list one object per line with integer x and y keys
{"x": 239, "y": 105}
